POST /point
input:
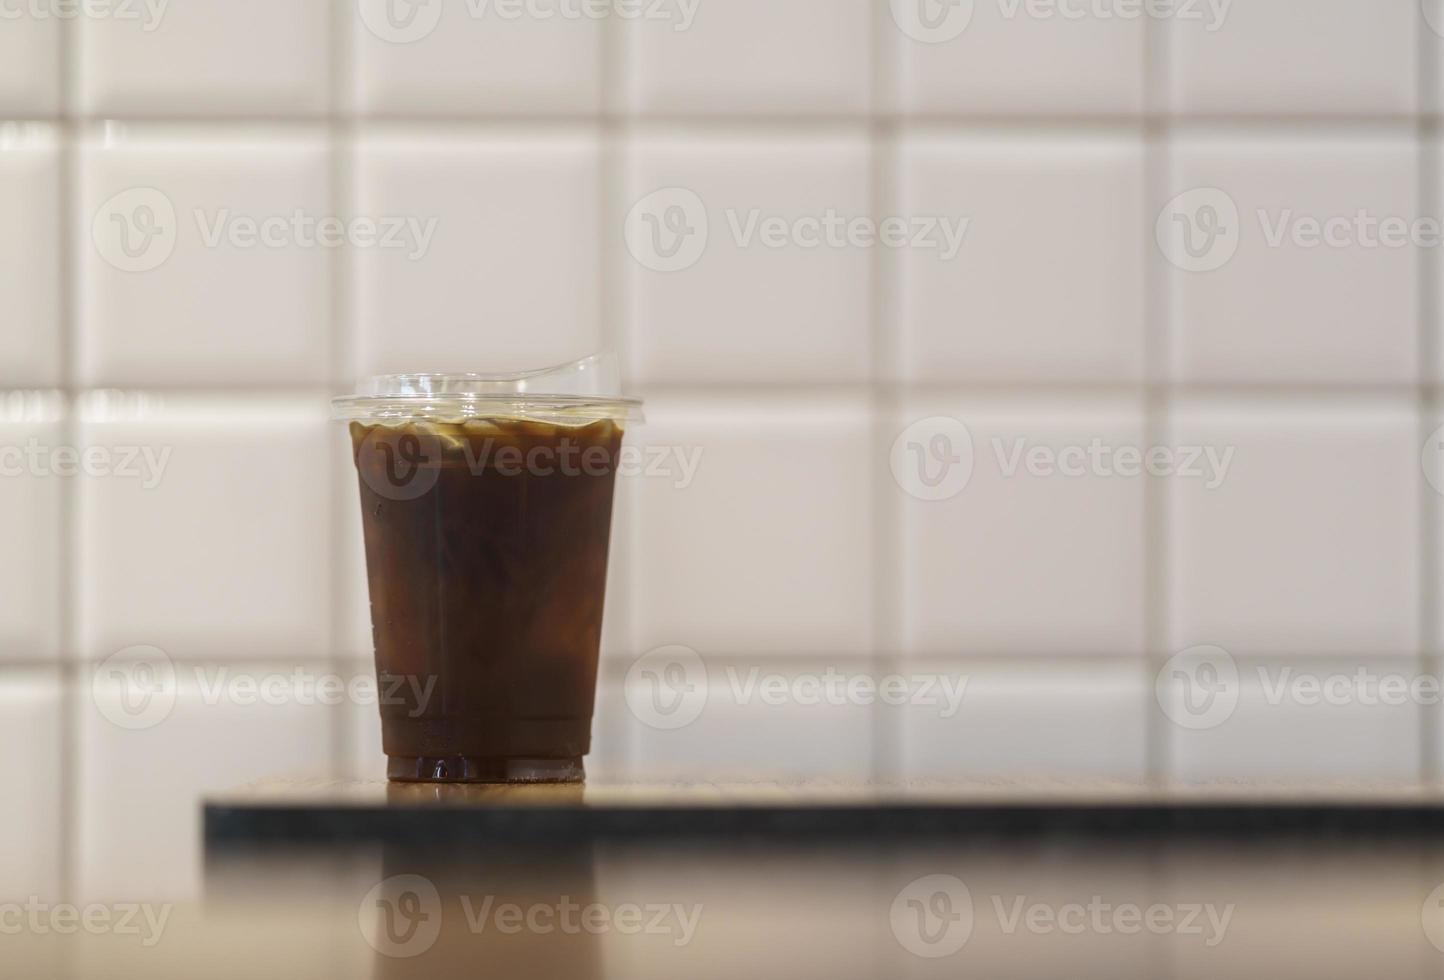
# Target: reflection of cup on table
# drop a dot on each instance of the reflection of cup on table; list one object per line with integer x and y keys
{"x": 487, "y": 506}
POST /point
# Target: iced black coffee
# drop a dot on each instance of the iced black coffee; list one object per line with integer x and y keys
{"x": 487, "y": 520}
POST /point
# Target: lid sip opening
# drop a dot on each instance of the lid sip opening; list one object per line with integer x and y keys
{"x": 577, "y": 393}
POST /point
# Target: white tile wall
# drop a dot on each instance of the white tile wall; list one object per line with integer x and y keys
{"x": 1028, "y": 720}
{"x": 1021, "y": 563}
{"x": 30, "y": 809}
{"x": 1003, "y": 62}
{"x": 30, "y": 263}
{"x": 752, "y": 725}
{"x": 30, "y": 67}
{"x": 746, "y": 311}
{"x": 537, "y": 147}
{"x": 30, "y": 524}
{"x": 1048, "y": 284}
{"x": 449, "y": 61}
{"x": 464, "y": 303}
{"x": 787, "y": 569}
{"x": 141, "y": 846}
{"x": 218, "y": 549}
{"x": 1287, "y": 307}
{"x": 1310, "y": 545}
{"x": 1295, "y": 720}
{"x": 203, "y": 305}
{"x": 1298, "y": 56}
{"x": 206, "y": 57}
{"x": 751, "y": 56}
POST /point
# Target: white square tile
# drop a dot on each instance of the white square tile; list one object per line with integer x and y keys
{"x": 30, "y": 811}
{"x": 140, "y": 788}
{"x": 1263, "y": 297}
{"x": 29, "y": 63}
{"x": 363, "y": 757}
{"x": 1005, "y": 58}
{"x": 510, "y": 277}
{"x": 800, "y": 56}
{"x": 1310, "y": 544}
{"x": 1304, "y": 721}
{"x": 747, "y": 720}
{"x": 1021, "y": 557}
{"x": 1298, "y": 56}
{"x": 206, "y": 57}
{"x": 30, "y": 255}
{"x": 31, "y": 496}
{"x": 220, "y": 548}
{"x": 749, "y": 308}
{"x": 461, "y": 56}
{"x": 1028, "y": 720}
{"x": 766, "y": 548}
{"x": 1049, "y": 282}
{"x": 203, "y": 298}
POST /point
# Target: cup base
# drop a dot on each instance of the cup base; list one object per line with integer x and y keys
{"x": 482, "y": 769}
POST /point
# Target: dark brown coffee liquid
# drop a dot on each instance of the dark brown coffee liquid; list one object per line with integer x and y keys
{"x": 486, "y": 551}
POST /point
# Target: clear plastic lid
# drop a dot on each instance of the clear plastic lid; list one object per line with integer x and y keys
{"x": 578, "y": 393}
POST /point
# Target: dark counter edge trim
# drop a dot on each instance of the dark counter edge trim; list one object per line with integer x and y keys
{"x": 227, "y": 824}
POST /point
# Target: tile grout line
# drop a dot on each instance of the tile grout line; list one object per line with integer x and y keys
{"x": 342, "y": 347}
{"x": 887, "y": 733}
{"x": 1429, "y": 402}
{"x": 67, "y": 563}
{"x": 1156, "y": 392}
